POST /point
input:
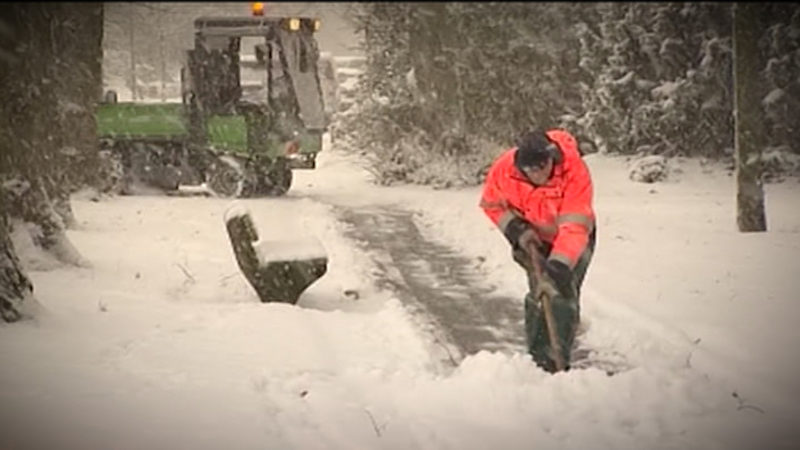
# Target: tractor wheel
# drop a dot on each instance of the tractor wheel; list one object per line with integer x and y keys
{"x": 114, "y": 177}
{"x": 280, "y": 175}
{"x": 225, "y": 177}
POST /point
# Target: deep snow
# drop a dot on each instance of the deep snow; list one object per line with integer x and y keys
{"x": 163, "y": 344}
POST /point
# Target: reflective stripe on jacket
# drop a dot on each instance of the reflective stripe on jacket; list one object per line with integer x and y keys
{"x": 560, "y": 212}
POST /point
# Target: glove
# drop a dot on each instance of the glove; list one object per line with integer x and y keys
{"x": 520, "y": 235}
{"x": 524, "y": 243}
{"x": 561, "y": 275}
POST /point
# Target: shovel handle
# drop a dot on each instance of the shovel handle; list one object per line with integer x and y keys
{"x": 544, "y": 293}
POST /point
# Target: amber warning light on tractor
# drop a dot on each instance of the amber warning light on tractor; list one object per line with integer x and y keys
{"x": 257, "y": 8}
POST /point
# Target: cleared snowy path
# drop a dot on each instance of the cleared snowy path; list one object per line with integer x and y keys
{"x": 438, "y": 285}
{"x": 454, "y": 303}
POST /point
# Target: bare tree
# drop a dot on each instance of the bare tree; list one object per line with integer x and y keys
{"x": 749, "y": 138}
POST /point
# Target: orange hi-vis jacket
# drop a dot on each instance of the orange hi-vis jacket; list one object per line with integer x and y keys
{"x": 560, "y": 212}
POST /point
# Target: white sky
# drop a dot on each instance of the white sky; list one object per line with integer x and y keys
{"x": 163, "y": 344}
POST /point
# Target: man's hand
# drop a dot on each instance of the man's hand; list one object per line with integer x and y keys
{"x": 561, "y": 275}
{"x": 525, "y": 249}
{"x": 521, "y": 236}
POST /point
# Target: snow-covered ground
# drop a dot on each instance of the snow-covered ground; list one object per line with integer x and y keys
{"x": 163, "y": 344}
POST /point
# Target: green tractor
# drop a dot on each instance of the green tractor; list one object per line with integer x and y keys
{"x": 251, "y": 111}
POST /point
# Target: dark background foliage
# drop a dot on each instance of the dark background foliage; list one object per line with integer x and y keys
{"x": 449, "y": 85}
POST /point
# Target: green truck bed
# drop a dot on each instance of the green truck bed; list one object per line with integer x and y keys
{"x": 132, "y": 120}
{"x": 166, "y": 121}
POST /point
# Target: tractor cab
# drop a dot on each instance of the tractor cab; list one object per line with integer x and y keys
{"x": 250, "y": 86}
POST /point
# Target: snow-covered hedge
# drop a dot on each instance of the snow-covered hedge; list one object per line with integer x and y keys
{"x": 661, "y": 78}
{"x": 442, "y": 80}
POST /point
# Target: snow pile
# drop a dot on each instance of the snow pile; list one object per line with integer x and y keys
{"x": 235, "y": 209}
{"x": 287, "y": 245}
{"x": 288, "y": 250}
{"x": 778, "y": 162}
{"x": 649, "y": 169}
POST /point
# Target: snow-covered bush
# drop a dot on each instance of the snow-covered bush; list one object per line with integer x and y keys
{"x": 781, "y": 101}
{"x": 661, "y": 78}
{"x": 649, "y": 169}
{"x": 777, "y": 162}
{"x": 631, "y": 78}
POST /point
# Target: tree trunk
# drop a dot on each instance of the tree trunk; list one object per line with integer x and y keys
{"x": 15, "y": 288}
{"x": 749, "y": 131}
{"x": 78, "y": 87}
{"x": 48, "y": 87}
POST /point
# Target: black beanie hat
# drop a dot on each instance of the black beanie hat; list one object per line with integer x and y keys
{"x": 534, "y": 149}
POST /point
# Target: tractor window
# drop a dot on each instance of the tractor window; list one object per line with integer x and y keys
{"x": 278, "y": 81}
{"x": 253, "y": 78}
{"x": 216, "y": 43}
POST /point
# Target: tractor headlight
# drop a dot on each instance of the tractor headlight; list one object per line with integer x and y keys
{"x": 317, "y": 24}
{"x": 294, "y": 24}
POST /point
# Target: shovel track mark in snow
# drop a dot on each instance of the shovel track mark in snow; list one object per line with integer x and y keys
{"x": 439, "y": 284}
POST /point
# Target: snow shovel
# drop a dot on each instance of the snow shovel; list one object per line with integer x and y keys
{"x": 279, "y": 271}
{"x": 545, "y": 291}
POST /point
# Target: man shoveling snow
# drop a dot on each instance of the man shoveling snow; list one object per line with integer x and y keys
{"x": 539, "y": 194}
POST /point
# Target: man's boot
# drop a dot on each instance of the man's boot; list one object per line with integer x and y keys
{"x": 566, "y": 318}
